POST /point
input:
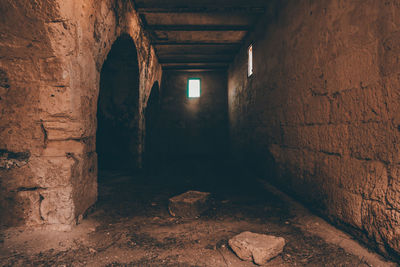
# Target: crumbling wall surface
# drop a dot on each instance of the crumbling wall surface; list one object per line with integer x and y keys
{"x": 51, "y": 54}
{"x": 322, "y": 111}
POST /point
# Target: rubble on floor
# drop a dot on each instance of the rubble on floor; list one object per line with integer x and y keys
{"x": 189, "y": 205}
{"x": 256, "y": 247}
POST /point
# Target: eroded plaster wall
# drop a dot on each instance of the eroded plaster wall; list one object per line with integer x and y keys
{"x": 51, "y": 54}
{"x": 320, "y": 115}
{"x": 193, "y": 126}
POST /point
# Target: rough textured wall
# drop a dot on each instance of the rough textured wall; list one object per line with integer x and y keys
{"x": 51, "y": 54}
{"x": 323, "y": 107}
{"x": 196, "y": 126}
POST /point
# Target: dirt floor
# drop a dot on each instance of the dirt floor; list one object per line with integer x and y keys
{"x": 130, "y": 224}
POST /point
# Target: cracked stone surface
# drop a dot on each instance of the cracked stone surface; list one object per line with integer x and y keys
{"x": 255, "y": 247}
{"x": 190, "y": 204}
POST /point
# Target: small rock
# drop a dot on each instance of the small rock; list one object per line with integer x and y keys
{"x": 189, "y": 205}
{"x": 256, "y": 247}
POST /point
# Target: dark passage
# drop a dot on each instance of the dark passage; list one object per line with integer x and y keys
{"x": 117, "y": 115}
{"x": 152, "y": 114}
{"x": 186, "y": 149}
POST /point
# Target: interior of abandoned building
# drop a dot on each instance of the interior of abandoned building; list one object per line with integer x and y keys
{"x": 287, "y": 112}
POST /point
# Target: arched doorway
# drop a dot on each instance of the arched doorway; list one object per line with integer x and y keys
{"x": 117, "y": 109}
{"x": 151, "y": 119}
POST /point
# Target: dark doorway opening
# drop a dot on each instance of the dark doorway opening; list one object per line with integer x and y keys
{"x": 151, "y": 119}
{"x": 117, "y": 110}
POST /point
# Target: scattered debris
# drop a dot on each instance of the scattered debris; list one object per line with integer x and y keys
{"x": 256, "y": 247}
{"x": 189, "y": 205}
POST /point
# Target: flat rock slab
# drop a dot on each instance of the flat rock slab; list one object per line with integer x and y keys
{"x": 256, "y": 247}
{"x": 189, "y": 205}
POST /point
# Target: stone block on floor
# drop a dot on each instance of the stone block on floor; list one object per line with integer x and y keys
{"x": 259, "y": 248}
{"x": 189, "y": 205}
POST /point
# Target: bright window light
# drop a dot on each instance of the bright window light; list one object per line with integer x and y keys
{"x": 250, "y": 60}
{"x": 194, "y": 87}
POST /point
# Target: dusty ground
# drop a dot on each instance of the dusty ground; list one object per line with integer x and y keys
{"x": 130, "y": 225}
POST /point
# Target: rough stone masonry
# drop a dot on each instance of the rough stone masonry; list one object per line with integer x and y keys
{"x": 49, "y": 84}
{"x": 320, "y": 116}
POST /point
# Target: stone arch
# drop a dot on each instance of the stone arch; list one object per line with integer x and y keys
{"x": 151, "y": 115}
{"x": 118, "y": 107}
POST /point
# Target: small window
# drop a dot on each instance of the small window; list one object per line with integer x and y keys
{"x": 194, "y": 87}
{"x": 250, "y": 60}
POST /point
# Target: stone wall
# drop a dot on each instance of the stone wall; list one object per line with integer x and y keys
{"x": 196, "y": 126}
{"x": 320, "y": 116}
{"x": 51, "y": 54}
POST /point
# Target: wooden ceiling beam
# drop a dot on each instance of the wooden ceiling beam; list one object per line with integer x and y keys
{"x": 194, "y": 61}
{"x": 197, "y": 27}
{"x": 189, "y": 69}
{"x": 239, "y": 10}
{"x": 194, "y": 54}
{"x": 194, "y": 43}
{"x": 196, "y": 64}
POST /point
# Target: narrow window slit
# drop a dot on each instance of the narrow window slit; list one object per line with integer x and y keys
{"x": 194, "y": 88}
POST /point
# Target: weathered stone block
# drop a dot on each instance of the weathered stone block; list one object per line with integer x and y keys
{"x": 256, "y": 247}
{"x": 50, "y": 172}
{"x": 55, "y": 70}
{"x": 56, "y": 101}
{"x": 63, "y": 130}
{"x": 344, "y": 72}
{"x": 374, "y": 141}
{"x": 393, "y": 192}
{"x": 85, "y": 182}
{"x": 343, "y": 205}
{"x": 316, "y": 109}
{"x": 327, "y": 167}
{"x": 56, "y": 206}
{"x": 359, "y": 104}
{"x": 62, "y": 32}
{"x": 20, "y": 70}
{"x": 365, "y": 178}
{"x": 30, "y": 204}
{"x": 62, "y": 148}
{"x": 293, "y": 111}
{"x": 382, "y": 225}
{"x": 189, "y": 205}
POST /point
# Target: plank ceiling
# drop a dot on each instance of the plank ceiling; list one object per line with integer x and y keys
{"x": 198, "y": 35}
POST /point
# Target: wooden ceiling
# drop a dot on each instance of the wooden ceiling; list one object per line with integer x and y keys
{"x": 196, "y": 35}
